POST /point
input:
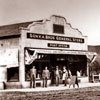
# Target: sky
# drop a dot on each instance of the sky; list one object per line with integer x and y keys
{"x": 82, "y": 14}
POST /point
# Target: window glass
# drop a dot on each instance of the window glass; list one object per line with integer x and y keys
{"x": 58, "y": 28}
{"x": 13, "y": 74}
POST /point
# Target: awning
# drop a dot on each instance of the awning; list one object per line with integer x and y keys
{"x": 29, "y": 58}
{"x": 54, "y": 51}
{"x": 9, "y": 58}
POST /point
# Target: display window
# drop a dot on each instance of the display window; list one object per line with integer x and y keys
{"x": 72, "y": 62}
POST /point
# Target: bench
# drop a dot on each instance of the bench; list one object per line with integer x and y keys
{"x": 96, "y": 78}
{"x": 39, "y": 83}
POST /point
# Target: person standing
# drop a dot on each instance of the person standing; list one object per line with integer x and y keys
{"x": 57, "y": 76}
{"x": 45, "y": 76}
{"x": 32, "y": 77}
{"x": 65, "y": 76}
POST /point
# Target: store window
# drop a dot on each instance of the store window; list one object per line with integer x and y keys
{"x": 13, "y": 74}
{"x": 78, "y": 63}
{"x": 40, "y": 63}
{"x": 58, "y": 29}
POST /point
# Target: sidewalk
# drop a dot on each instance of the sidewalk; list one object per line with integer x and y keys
{"x": 51, "y": 88}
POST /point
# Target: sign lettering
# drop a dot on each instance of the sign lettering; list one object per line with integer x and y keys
{"x": 54, "y": 38}
{"x": 58, "y": 45}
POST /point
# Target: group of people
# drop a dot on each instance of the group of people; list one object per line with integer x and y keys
{"x": 45, "y": 77}
{"x": 67, "y": 76}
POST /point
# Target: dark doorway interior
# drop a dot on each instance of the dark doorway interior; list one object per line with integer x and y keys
{"x": 13, "y": 74}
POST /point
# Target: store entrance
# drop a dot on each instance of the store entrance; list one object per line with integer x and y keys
{"x": 49, "y": 60}
{"x": 72, "y": 62}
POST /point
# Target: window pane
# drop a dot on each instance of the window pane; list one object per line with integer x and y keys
{"x": 13, "y": 74}
{"x": 58, "y": 29}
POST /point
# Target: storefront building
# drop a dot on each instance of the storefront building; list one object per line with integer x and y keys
{"x": 49, "y": 42}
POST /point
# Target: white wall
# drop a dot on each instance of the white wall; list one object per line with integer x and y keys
{"x": 46, "y": 28}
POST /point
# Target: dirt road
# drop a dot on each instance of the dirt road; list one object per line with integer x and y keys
{"x": 90, "y": 93}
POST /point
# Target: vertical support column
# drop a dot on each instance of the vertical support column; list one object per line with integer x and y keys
{"x": 88, "y": 71}
{"x": 21, "y": 56}
{"x": 21, "y": 67}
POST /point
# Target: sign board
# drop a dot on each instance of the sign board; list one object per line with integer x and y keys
{"x": 58, "y": 45}
{"x": 54, "y": 38}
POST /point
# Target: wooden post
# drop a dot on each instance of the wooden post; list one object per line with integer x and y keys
{"x": 88, "y": 71}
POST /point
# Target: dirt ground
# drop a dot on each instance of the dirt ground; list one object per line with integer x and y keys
{"x": 90, "y": 93}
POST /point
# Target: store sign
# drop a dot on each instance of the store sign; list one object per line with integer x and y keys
{"x": 54, "y": 38}
{"x": 58, "y": 45}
